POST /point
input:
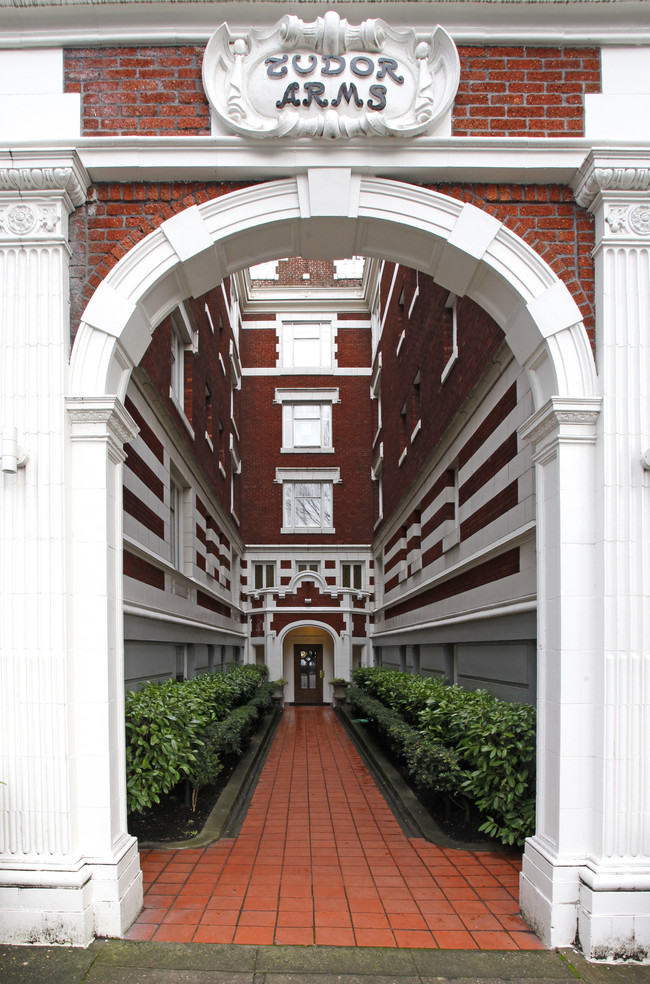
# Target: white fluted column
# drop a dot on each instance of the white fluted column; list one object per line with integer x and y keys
{"x": 48, "y": 886}
{"x": 614, "y": 914}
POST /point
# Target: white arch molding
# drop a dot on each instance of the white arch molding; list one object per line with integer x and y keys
{"x": 330, "y": 213}
{"x": 305, "y": 626}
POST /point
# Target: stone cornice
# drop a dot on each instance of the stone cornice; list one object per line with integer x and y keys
{"x": 84, "y": 22}
{"x": 618, "y": 171}
{"x": 48, "y": 173}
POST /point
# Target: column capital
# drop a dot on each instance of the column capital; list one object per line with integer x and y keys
{"x": 561, "y": 419}
{"x": 51, "y": 174}
{"x": 605, "y": 174}
{"x": 101, "y": 419}
{"x": 37, "y": 194}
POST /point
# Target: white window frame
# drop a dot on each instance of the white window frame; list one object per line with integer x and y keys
{"x": 177, "y": 527}
{"x": 352, "y": 565}
{"x": 452, "y": 304}
{"x": 265, "y": 567}
{"x": 323, "y": 333}
{"x": 289, "y": 399}
{"x": 291, "y": 415}
{"x": 289, "y": 478}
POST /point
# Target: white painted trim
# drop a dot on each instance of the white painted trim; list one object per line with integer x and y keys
{"x": 307, "y": 475}
{"x": 473, "y": 615}
{"x": 139, "y": 22}
{"x": 433, "y": 159}
{"x": 181, "y": 413}
{"x": 518, "y": 536}
{"x": 307, "y": 396}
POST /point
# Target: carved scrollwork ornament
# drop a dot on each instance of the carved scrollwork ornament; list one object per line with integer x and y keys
{"x": 44, "y": 179}
{"x": 612, "y": 179}
{"x": 330, "y": 79}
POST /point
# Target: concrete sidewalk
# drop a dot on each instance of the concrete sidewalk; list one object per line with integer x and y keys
{"x": 124, "y": 962}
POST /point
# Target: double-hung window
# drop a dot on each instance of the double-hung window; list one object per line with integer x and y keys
{"x": 307, "y": 419}
{"x": 307, "y": 426}
{"x": 184, "y": 341}
{"x": 306, "y": 345}
{"x": 307, "y": 499}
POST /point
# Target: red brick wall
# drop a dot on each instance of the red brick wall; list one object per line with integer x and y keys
{"x": 522, "y": 91}
{"x": 117, "y": 216}
{"x": 141, "y": 570}
{"x": 548, "y": 219}
{"x": 261, "y": 440}
{"x": 148, "y": 91}
{"x": 205, "y": 370}
{"x": 479, "y": 337}
{"x": 505, "y": 565}
{"x": 504, "y": 90}
{"x": 258, "y": 347}
{"x": 354, "y": 347}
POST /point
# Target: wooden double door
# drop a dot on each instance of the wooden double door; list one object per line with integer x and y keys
{"x": 308, "y": 674}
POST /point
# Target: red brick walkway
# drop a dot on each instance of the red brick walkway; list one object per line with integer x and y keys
{"x": 321, "y": 859}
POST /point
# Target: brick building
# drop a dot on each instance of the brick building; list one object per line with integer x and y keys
{"x": 324, "y": 343}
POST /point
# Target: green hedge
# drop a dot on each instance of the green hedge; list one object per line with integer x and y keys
{"x": 494, "y": 742}
{"x": 164, "y": 724}
{"x": 226, "y": 739}
{"x": 432, "y": 767}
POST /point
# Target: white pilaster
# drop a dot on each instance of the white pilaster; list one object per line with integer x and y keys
{"x": 564, "y": 434}
{"x": 614, "y": 911}
{"x": 48, "y": 884}
{"x": 98, "y": 430}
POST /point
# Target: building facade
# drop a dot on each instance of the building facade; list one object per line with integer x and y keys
{"x": 224, "y": 439}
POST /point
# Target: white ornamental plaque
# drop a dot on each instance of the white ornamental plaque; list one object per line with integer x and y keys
{"x": 330, "y": 79}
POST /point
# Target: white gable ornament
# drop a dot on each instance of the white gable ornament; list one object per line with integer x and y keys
{"x": 330, "y": 79}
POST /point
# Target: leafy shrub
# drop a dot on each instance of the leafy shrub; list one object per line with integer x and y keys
{"x": 431, "y": 766}
{"x": 165, "y": 723}
{"x": 493, "y": 739}
{"x": 226, "y": 739}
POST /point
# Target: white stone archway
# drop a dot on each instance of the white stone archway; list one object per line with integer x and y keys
{"x": 470, "y": 253}
{"x": 329, "y": 213}
{"x": 93, "y": 880}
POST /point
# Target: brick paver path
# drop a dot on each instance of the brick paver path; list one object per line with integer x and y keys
{"x": 321, "y": 859}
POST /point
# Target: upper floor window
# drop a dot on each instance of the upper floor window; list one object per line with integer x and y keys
{"x": 307, "y": 499}
{"x": 184, "y": 342}
{"x": 307, "y": 418}
{"x": 306, "y": 426}
{"x": 352, "y": 576}
{"x": 306, "y": 345}
{"x": 307, "y": 505}
{"x": 307, "y": 565}
{"x": 264, "y": 575}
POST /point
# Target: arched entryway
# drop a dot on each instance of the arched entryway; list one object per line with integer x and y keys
{"x": 308, "y": 658}
{"x": 467, "y": 252}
